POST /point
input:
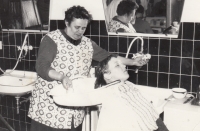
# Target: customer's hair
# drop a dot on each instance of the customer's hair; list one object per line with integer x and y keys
{"x": 100, "y": 70}
{"x": 140, "y": 9}
{"x": 77, "y": 12}
{"x": 126, "y": 7}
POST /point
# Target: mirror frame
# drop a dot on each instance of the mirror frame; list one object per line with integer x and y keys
{"x": 169, "y": 19}
{"x": 37, "y": 18}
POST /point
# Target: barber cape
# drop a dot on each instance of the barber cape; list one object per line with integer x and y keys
{"x": 125, "y": 109}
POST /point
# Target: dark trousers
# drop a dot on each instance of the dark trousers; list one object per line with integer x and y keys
{"x": 36, "y": 126}
{"x": 161, "y": 125}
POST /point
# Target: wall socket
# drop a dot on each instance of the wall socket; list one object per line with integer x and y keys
{"x": 0, "y": 45}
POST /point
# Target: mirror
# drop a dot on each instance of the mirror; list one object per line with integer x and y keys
{"x": 24, "y": 15}
{"x": 161, "y": 17}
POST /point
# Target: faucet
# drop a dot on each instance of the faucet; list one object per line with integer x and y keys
{"x": 141, "y": 49}
{"x": 20, "y": 55}
{"x": 140, "y": 53}
{"x": 24, "y": 47}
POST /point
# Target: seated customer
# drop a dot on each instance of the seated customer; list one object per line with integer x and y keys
{"x": 160, "y": 8}
{"x": 123, "y": 106}
{"x": 140, "y": 25}
{"x": 125, "y": 13}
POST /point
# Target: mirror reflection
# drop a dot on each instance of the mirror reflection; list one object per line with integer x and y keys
{"x": 24, "y": 15}
{"x": 143, "y": 17}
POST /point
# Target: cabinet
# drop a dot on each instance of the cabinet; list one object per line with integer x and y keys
{"x": 182, "y": 117}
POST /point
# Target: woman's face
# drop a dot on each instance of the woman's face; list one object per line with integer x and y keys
{"x": 131, "y": 16}
{"x": 117, "y": 70}
{"x": 77, "y": 28}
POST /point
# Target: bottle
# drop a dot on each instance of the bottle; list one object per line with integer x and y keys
{"x": 198, "y": 96}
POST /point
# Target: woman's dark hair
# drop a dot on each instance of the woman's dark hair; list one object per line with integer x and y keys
{"x": 126, "y": 7}
{"x": 77, "y": 12}
{"x": 100, "y": 70}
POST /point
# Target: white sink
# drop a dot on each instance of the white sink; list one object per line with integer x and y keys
{"x": 17, "y": 82}
{"x": 157, "y": 96}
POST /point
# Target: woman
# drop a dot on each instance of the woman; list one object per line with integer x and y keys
{"x": 123, "y": 106}
{"x": 64, "y": 55}
{"x": 125, "y": 13}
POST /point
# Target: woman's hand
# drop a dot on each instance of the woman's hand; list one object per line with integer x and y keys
{"x": 139, "y": 61}
{"x": 67, "y": 83}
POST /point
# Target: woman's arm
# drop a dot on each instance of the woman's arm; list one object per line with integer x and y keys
{"x": 100, "y": 54}
{"x": 46, "y": 54}
{"x": 133, "y": 62}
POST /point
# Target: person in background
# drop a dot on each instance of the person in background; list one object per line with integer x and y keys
{"x": 124, "y": 108}
{"x": 111, "y": 9}
{"x": 64, "y": 54}
{"x": 144, "y": 4}
{"x": 140, "y": 25}
{"x": 160, "y": 8}
{"x": 125, "y": 13}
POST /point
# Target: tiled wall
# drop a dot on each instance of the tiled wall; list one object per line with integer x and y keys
{"x": 174, "y": 62}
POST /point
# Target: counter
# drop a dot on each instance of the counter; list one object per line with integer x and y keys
{"x": 182, "y": 117}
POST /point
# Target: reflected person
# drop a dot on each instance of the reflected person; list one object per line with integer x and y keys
{"x": 141, "y": 25}
{"x": 125, "y": 13}
{"x": 111, "y": 9}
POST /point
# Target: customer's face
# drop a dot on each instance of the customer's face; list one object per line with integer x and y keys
{"x": 117, "y": 70}
{"x": 77, "y": 28}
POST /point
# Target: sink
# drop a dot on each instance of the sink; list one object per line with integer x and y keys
{"x": 17, "y": 82}
{"x": 79, "y": 94}
{"x": 157, "y": 96}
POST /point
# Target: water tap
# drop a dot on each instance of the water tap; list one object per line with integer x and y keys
{"x": 145, "y": 57}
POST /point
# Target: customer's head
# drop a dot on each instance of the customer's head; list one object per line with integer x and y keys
{"x": 76, "y": 21}
{"x": 127, "y": 8}
{"x": 140, "y": 11}
{"x": 110, "y": 70}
